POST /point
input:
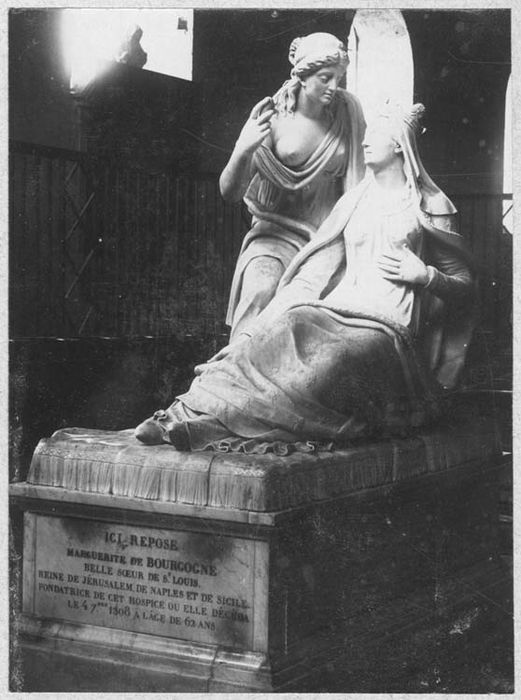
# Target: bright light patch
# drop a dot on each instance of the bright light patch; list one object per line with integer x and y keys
{"x": 507, "y": 153}
{"x": 381, "y": 63}
{"x": 91, "y": 38}
{"x": 508, "y": 218}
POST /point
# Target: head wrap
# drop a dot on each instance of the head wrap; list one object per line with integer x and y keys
{"x": 405, "y": 127}
{"x": 307, "y": 55}
{"x": 310, "y": 53}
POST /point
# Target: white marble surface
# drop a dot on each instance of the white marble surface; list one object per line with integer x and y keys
{"x": 180, "y": 584}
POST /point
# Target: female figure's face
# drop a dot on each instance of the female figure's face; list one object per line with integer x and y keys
{"x": 321, "y": 86}
{"x": 380, "y": 147}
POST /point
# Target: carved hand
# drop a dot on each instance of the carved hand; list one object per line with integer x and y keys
{"x": 257, "y": 126}
{"x": 407, "y": 268}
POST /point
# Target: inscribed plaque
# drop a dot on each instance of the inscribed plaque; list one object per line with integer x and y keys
{"x": 188, "y": 585}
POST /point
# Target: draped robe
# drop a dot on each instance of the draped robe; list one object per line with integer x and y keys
{"x": 324, "y": 368}
{"x": 289, "y": 204}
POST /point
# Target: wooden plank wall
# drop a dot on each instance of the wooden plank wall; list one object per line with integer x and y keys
{"x": 162, "y": 249}
{"x": 166, "y": 257}
{"x": 480, "y": 221}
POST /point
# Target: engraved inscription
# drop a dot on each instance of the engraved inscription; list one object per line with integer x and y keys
{"x": 193, "y": 586}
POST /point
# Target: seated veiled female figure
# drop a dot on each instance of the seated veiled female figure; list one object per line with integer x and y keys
{"x": 296, "y": 155}
{"x": 367, "y": 331}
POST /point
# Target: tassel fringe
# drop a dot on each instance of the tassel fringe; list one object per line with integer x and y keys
{"x": 115, "y": 463}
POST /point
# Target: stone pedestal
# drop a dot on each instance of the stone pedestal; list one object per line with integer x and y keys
{"x": 145, "y": 569}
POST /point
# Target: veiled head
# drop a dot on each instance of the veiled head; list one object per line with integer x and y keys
{"x": 393, "y": 131}
{"x": 403, "y": 123}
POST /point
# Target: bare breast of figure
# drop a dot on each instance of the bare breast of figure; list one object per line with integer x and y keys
{"x": 295, "y": 138}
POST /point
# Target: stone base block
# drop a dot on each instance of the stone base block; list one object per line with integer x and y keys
{"x": 339, "y": 593}
{"x": 404, "y": 653}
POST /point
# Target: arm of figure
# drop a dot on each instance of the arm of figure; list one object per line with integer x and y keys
{"x": 236, "y": 175}
{"x": 449, "y": 276}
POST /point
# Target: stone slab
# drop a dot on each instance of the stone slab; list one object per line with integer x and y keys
{"x": 323, "y": 582}
{"x": 185, "y": 585}
{"x": 395, "y": 654}
{"x": 116, "y": 464}
{"x": 63, "y": 656}
{"x": 37, "y": 496}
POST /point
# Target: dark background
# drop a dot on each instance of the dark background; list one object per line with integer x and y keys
{"x": 121, "y": 249}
